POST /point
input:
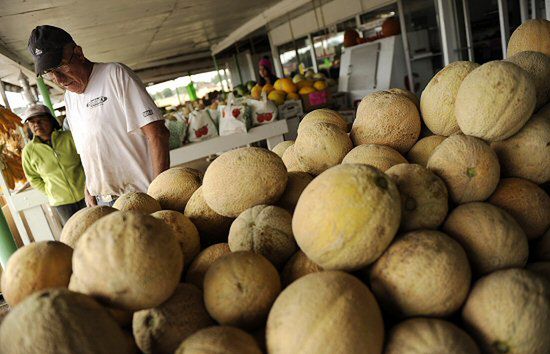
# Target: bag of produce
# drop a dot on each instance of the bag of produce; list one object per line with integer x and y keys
{"x": 201, "y": 126}
{"x": 263, "y": 111}
{"x": 177, "y": 125}
{"x": 235, "y": 118}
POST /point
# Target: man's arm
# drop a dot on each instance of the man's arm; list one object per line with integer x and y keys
{"x": 89, "y": 199}
{"x": 157, "y": 136}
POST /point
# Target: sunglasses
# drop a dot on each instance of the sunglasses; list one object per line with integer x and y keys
{"x": 61, "y": 70}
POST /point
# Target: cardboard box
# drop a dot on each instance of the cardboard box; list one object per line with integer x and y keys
{"x": 291, "y": 108}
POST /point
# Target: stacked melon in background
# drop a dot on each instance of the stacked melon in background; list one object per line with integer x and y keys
{"x": 366, "y": 241}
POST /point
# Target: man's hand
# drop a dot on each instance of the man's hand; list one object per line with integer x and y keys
{"x": 157, "y": 139}
{"x": 90, "y": 199}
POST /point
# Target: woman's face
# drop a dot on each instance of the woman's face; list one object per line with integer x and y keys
{"x": 264, "y": 72}
{"x": 41, "y": 126}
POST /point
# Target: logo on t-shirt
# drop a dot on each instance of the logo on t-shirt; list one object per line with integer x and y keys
{"x": 148, "y": 113}
{"x": 98, "y": 101}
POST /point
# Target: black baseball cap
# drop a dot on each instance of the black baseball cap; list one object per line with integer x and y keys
{"x": 46, "y": 46}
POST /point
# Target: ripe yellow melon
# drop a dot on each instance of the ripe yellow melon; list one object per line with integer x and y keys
{"x": 34, "y": 267}
{"x": 297, "y": 182}
{"x": 242, "y": 178}
{"x": 429, "y": 336}
{"x": 347, "y": 216}
{"x": 266, "y": 230}
{"x": 292, "y": 96}
{"x": 527, "y": 153}
{"x": 161, "y": 329}
{"x": 538, "y": 65}
{"x": 423, "y": 273}
{"x": 323, "y": 115}
{"x": 386, "y": 118}
{"x": 137, "y": 201}
{"x": 267, "y": 88}
{"x": 298, "y": 266}
{"x": 306, "y": 90}
{"x": 379, "y": 156}
{"x": 421, "y": 151}
{"x": 127, "y": 260}
{"x": 468, "y": 166}
{"x": 287, "y": 85}
{"x": 305, "y": 83}
{"x": 495, "y": 100}
{"x": 256, "y": 92}
{"x": 184, "y": 230}
{"x": 239, "y": 289}
{"x": 276, "y": 96}
{"x": 80, "y": 221}
{"x": 278, "y": 84}
{"x": 410, "y": 95}
{"x": 320, "y": 85}
{"x": 320, "y": 146}
{"x": 424, "y": 203}
{"x": 290, "y": 161}
{"x": 526, "y": 202}
{"x": 197, "y": 270}
{"x": 542, "y": 249}
{"x": 59, "y": 321}
{"x": 509, "y": 312}
{"x": 219, "y": 340}
{"x": 492, "y": 239}
{"x": 280, "y": 148}
{"x": 325, "y": 313}
{"x": 437, "y": 102}
{"x": 531, "y": 35}
{"x": 173, "y": 187}
{"x": 213, "y": 227}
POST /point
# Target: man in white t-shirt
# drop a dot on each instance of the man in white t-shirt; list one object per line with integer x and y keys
{"x": 118, "y": 131}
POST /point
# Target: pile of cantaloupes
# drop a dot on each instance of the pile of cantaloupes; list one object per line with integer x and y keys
{"x": 366, "y": 240}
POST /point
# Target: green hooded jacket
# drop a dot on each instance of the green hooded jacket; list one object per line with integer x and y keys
{"x": 55, "y": 169}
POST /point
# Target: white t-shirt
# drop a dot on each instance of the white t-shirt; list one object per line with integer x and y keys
{"x": 105, "y": 121}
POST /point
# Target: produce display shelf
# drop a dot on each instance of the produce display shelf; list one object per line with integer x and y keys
{"x": 272, "y": 133}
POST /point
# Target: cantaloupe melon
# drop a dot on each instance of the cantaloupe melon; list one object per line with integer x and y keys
{"x": 290, "y": 161}
{"x": 297, "y": 182}
{"x": 34, "y": 267}
{"x": 347, "y": 216}
{"x": 184, "y": 230}
{"x": 424, "y": 200}
{"x": 379, "y": 156}
{"x": 323, "y": 115}
{"x": 320, "y": 146}
{"x": 280, "y": 148}
{"x": 173, "y": 187}
{"x": 509, "y": 312}
{"x": 59, "y": 321}
{"x": 298, "y": 266}
{"x": 542, "y": 249}
{"x": 468, "y": 166}
{"x": 421, "y": 151}
{"x": 239, "y": 289}
{"x": 325, "y": 313}
{"x": 411, "y": 96}
{"x": 531, "y": 35}
{"x": 161, "y": 329}
{"x": 526, "y": 202}
{"x": 137, "y": 201}
{"x": 429, "y": 336}
{"x": 540, "y": 268}
{"x": 386, "y": 118}
{"x": 127, "y": 260}
{"x": 437, "y": 102}
{"x": 197, "y": 270}
{"x": 219, "y": 340}
{"x": 495, "y": 101}
{"x": 538, "y": 66}
{"x": 213, "y": 227}
{"x": 491, "y": 237}
{"x": 242, "y": 178}
{"x": 80, "y": 221}
{"x": 423, "y": 273}
{"x": 266, "y": 230}
{"x": 527, "y": 153}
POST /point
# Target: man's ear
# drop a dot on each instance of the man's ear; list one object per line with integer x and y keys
{"x": 78, "y": 52}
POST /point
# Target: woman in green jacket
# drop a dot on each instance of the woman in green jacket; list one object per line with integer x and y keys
{"x": 52, "y": 164}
